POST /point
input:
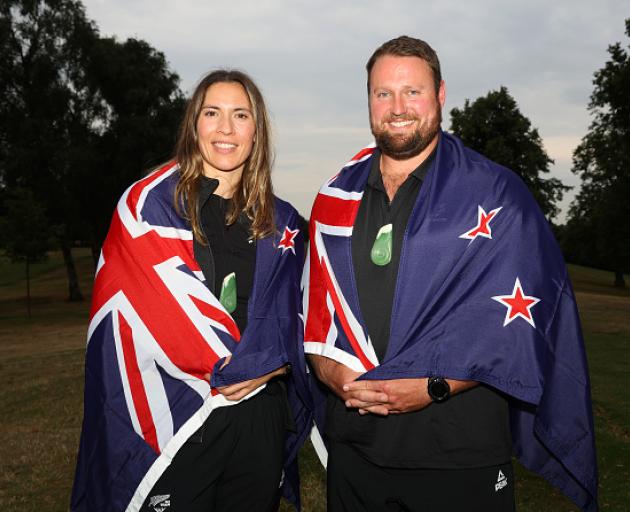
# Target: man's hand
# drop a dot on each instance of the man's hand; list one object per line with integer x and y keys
{"x": 384, "y": 397}
{"x": 333, "y": 374}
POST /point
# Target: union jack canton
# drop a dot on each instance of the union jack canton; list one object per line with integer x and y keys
{"x": 482, "y": 294}
{"x": 156, "y": 329}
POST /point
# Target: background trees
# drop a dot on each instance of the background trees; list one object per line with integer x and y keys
{"x": 598, "y": 229}
{"x": 45, "y": 107}
{"x": 494, "y": 126}
{"x": 81, "y": 117}
{"x": 144, "y": 105}
{"x": 24, "y": 232}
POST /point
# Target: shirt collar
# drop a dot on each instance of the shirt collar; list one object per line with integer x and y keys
{"x": 375, "y": 179}
{"x": 207, "y": 186}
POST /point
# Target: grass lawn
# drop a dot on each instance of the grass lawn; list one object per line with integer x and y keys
{"x": 41, "y": 381}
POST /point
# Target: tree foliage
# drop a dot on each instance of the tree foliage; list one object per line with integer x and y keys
{"x": 24, "y": 227}
{"x": 46, "y": 108}
{"x": 44, "y": 102}
{"x": 494, "y": 126}
{"x": 601, "y": 211}
{"x": 81, "y": 116}
{"x": 144, "y": 105}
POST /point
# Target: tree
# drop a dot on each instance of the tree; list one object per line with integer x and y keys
{"x": 601, "y": 209}
{"x": 24, "y": 233}
{"x": 46, "y": 109}
{"x": 81, "y": 116}
{"x": 144, "y": 105}
{"x": 494, "y": 126}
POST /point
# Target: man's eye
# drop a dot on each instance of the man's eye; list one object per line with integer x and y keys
{"x": 382, "y": 94}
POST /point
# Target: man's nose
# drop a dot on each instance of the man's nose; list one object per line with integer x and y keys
{"x": 398, "y": 105}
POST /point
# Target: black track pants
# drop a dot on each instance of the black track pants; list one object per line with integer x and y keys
{"x": 236, "y": 467}
{"x": 357, "y": 485}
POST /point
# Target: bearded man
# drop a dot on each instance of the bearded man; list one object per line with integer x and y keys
{"x": 435, "y": 332}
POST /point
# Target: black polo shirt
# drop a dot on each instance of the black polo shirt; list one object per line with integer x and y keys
{"x": 376, "y": 284}
{"x": 469, "y": 430}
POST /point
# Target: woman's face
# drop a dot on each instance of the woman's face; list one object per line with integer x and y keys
{"x": 225, "y": 129}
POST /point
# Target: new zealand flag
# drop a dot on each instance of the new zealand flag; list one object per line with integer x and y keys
{"x": 156, "y": 329}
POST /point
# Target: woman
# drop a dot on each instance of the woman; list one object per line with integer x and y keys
{"x": 245, "y": 334}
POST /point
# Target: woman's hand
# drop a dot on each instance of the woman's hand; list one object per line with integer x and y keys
{"x": 241, "y": 389}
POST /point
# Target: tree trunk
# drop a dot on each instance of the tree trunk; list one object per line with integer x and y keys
{"x": 74, "y": 292}
{"x": 620, "y": 282}
{"x": 28, "y": 286}
{"x": 96, "y": 253}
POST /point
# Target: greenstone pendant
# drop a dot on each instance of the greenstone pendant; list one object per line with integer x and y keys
{"x": 381, "y": 253}
{"x": 228, "y": 293}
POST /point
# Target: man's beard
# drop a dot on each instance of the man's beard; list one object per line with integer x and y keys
{"x": 404, "y": 146}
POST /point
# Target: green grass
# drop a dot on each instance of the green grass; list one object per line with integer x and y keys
{"x": 41, "y": 381}
{"x": 15, "y": 273}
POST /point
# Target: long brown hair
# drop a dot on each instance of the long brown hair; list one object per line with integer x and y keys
{"x": 254, "y": 193}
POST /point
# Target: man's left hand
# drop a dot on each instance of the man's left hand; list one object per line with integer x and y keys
{"x": 384, "y": 397}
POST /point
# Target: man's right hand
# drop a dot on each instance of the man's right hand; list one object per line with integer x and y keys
{"x": 333, "y": 374}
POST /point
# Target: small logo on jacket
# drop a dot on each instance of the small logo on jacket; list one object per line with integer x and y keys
{"x": 160, "y": 502}
{"x": 502, "y": 481}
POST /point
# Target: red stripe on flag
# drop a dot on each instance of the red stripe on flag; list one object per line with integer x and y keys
{"x": 344, "y": 321}
{"x": 318, "y": 317}
{"x": 335, "y": 211}
{"x": 362, "y": 153}
{"x": 137, "y": 188}
{"x": 138, "y": 392}
{"x": 218, "y": 316}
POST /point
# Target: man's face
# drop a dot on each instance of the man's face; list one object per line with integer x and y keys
{"x": 405, "y": 112}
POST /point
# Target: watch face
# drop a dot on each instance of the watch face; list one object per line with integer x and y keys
{"x": 439, "y": 389}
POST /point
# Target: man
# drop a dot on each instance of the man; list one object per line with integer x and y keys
{"x": 440, "y": 317}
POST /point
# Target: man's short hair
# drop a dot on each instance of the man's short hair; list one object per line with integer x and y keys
{"x": 405, "y": 46}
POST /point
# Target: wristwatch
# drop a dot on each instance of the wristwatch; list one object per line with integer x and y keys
{"x": 438, "y": 389}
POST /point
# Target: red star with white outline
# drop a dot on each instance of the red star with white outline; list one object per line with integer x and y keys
{"x": 483, "y": 224}
{"x": 288, "y": 240}
{"x": 518, "y": 305}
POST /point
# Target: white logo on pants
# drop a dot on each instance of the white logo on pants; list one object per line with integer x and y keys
{"x": 160, "y": 502}
{"x": 502, "y": 481}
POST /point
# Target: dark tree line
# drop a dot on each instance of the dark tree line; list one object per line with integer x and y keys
{"x": 81, "y": 117}
{"x": 598, "y": 230}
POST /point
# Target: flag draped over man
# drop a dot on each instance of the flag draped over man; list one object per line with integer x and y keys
{"x": 482, "y": 294}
